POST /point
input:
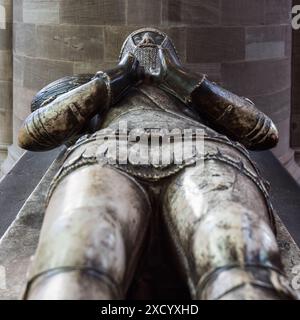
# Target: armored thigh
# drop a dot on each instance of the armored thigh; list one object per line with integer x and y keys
{"x": 221, "y": 222}
{"x": 93, "y": 232}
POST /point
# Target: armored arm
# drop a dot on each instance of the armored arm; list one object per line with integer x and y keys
{"x": 64, "y": 117}
{"x": 235, "y": 116}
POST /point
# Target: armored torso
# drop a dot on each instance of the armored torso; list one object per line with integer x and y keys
{"x": 148, "y": 107}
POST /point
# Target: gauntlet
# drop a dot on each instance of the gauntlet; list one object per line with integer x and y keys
{"x": 58, "y": 119}
{"x": 234, "y": 116}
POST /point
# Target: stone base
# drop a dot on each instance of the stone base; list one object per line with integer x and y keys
{"x": 19, "y": 242}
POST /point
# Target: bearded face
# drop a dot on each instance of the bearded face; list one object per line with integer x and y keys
{"x": 145, "y": 45}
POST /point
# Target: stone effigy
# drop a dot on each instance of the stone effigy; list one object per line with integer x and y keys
{"x": 99, "y": 218}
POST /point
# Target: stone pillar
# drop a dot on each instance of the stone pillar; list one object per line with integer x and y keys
{"x": 5, "y": 77}
{"x": 243, "y": 44}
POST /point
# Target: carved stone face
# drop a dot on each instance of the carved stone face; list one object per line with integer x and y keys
{"x": 145, "y": 44}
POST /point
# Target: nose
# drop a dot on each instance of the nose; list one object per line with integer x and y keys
{"x": 147, "y": 39}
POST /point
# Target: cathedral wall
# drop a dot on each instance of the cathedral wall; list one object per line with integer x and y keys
{"x": 5, "y": 76}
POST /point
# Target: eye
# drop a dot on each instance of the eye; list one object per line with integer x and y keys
{"x": 158, "y": 39}
{"x": 137, "y": 39}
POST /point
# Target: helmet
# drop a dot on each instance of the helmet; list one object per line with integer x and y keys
{"x": 144, "y": 44}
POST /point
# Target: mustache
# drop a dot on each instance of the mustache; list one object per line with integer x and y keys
{"x": 147, "y": 45}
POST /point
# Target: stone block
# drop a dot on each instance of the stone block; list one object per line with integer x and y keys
{"x": 6, "y": 97}
{"x": 5, "y": 65}
{"x": 71, "y": 43}
{"x": 242, "y": 12}
{"x": 5, "y": 112}
{"x": 40, "y": 72}
{"x": 278, "y": 11}
{"x": 18, "y": 11}
{"x": 87, "y": 12}
{"x": 41, "y": 11}
{"x": 178, "y": 37}
{"x": 22, "y": 101}
{"x": 93, "y": 12}
{"x": 24, "y": 39}
{"x": 114, "y": 12}
{"x": 266, "y": 42}
{"x": 191, "y": 12}
{"x": 215, "y": 44}
{"x": 255, "y": 78}
{"x": 144, "y": 12}
{"x": 17, "y": 123}
{"x": 18, "y": 69}
{"x": 6, "y": 38}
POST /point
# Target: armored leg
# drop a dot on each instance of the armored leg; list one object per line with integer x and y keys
{"x": 220, "y": 223}
{"x": 92, "y": 237}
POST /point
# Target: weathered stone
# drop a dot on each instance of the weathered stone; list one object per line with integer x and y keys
{"x": 40, "y": 72}
{"x": 17, "y": 123}
{"x": 266, "y": 42}
{"x": 18, "y": 69}
{"x": 5, "y": 111}
{"x": 24, "y": 34}
{"x": 242, "y": 12}
{"x": 5, "y": 65}
{"x": 255, "y": 78}
{"x": 22, "y": 101}
{"x": 6, "y": 38}
{"x": 18, "y": 11}
{"x": 93, "y": 12}
{"x": 193, "y": 12}
{"x": 277, "y": 11}
{"x": 41, "y": 11}
{"x": 178, "y": 36}
{"x": 88, "y": 12}
{"x": 144, "y": 12}
{"x": 69, "y": 43}
{"x": 215, "y": 44}
{"x": 6, "y": 96}
{"x": 114, "y": 12}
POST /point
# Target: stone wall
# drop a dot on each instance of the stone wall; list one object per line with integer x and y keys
{"x": 295, "y": 114}
{"x": 5, "y": 76}
{"x": 243, "y": 44}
